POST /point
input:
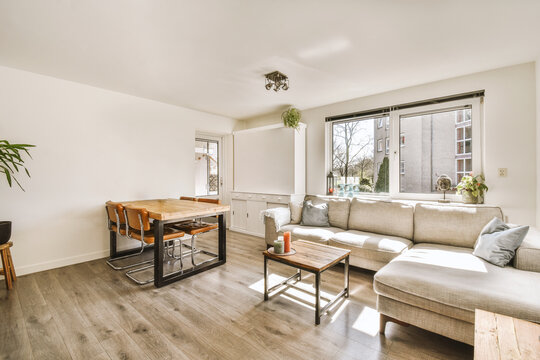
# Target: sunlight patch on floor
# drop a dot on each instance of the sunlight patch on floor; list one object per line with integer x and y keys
{"x": 368, "y": 321}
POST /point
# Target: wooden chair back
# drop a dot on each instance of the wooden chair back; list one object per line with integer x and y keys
{"x": 211, "y": 201}
{"x": 133, "y": 214}
{"x": 188, "y": 198}
{"x": 114, "y": 208}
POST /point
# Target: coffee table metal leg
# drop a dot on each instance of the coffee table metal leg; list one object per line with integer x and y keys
{"x": 265, "y": 278}
{"x": 346, "y": 276}
{"x": 299, "y": 275}
{"x": 317, "y": 298}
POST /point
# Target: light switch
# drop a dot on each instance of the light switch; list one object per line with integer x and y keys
{"x": 503, "y": 172}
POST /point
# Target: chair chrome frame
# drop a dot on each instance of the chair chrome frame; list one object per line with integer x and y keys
{"x": 130, "y": 273}
{"x": 143, "y": 246}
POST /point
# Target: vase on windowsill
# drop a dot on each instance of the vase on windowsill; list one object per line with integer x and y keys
{"x": 469, "y": 198}
{"x": 472, "y": 189}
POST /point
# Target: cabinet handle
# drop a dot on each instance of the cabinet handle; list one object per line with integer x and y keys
{"x": 247, "y": 214}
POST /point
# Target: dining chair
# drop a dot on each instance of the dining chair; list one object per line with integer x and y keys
{"x": 195, "y": 228}
{"x": 140, "y": 228}
{"x": 188, "y": 198}
{"x": 116, "y": 220}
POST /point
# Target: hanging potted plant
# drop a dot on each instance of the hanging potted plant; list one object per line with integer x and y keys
{"x": 472, "y": 188}
{"x": 291, "y": 118}
{"x": 11, "y": 162}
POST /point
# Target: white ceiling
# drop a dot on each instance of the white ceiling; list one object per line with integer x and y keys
{"x": 211, "y": 55}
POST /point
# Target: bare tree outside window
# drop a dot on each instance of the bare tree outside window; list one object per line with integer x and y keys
{"x": 353, "y": 155}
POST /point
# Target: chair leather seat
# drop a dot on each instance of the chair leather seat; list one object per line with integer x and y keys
{"x": 168, "y": 234}
{"x": 194, "y": 228}
{"x": 122, "y": 229}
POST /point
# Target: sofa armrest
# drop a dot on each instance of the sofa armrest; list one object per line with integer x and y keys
{"x": 270, "y": 232}
{"x": 528, "y": 254}
{"x": 274, "y": 219}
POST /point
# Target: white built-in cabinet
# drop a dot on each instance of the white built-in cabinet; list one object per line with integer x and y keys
{"x": 246, "y": 210}
{"x": 269, "y": 172}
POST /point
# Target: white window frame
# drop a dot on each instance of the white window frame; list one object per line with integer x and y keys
{"x": 478, "y": 158}
{"x": 387, "y": 145}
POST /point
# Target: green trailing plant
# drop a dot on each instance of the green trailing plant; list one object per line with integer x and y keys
{"x": 11, "y": 160}
{"x": 291, "y": 118}
{"x": 475, "y": 185}
{"x": 383, "y": 178}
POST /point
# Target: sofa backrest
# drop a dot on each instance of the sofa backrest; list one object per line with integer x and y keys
{"x": 456, "y": 225}
{"x": 382, "y": 217}
{"x": 338, "y": 209}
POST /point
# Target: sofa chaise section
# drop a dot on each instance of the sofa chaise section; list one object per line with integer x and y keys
{"x": 449, "y": 283}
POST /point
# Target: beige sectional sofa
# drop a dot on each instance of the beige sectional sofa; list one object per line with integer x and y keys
{"x": 422, "y": 252}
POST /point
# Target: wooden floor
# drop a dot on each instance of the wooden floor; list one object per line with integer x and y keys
{"x": 89, "y": 311}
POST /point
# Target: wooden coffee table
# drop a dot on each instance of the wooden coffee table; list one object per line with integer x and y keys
{"x": 314, "y": 258}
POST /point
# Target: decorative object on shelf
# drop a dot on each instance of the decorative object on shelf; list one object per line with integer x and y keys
{"x": 277, "y": 81}
{"x": 330, "y": 179}
{"x": 278, "y": 245}
{"x": 444, "y": 184}
{"x": 291, "y": 118}
{"x": 287, "y": 241}
{"x": 472, "y": 189}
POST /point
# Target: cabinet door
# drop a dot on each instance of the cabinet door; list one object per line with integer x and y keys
{"x": 239, "y": 215}
{"x": 254, "y": 222}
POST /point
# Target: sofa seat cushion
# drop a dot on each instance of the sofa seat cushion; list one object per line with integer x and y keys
{"x": 373, "y": 246}
{"x": 311, "y": 233}
{"x": 452, "y": 281}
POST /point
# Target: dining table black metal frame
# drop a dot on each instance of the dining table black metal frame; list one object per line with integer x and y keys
{"x": 160, "y": 278}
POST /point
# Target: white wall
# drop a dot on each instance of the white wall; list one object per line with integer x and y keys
{"x": 93, "y": 145}
{"x": 510, "y": 132}
{"x": 537, "y": 142}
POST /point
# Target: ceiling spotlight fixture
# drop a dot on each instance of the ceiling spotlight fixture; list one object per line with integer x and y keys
{"x": 277, "y": 81}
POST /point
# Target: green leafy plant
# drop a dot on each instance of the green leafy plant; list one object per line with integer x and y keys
{"x": 11, "y": 160}
{"x": 475, "y": 185}
{"x": 291, "y": 118}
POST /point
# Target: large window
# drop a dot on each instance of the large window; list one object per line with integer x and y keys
{"x": 358, "y": 161}
{"x": 405, "y": 150}
{"x": 206, "y": 167}
{"x": 436, "y": 143}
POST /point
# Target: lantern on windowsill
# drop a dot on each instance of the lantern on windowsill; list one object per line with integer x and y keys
{"x": 330, "y": 183}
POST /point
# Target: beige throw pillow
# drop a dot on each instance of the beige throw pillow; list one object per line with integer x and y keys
{"x": 296, "y": 212}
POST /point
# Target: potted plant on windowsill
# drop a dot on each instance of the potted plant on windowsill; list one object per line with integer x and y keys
{"x": 11, "y": 162}
{"x": 472, "y": 188}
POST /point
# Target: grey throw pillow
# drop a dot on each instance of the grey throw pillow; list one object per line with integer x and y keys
{"x": 314, "y": 215}
{"x": 498, "y": 242}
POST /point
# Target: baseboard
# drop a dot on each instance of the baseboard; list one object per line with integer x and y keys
{"x": 53, "y": 264}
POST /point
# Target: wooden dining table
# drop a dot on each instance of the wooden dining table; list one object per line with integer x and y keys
{"x": 164, "y": 211}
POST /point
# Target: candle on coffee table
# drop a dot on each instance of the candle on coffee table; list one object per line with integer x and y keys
{"x": 278, "y": 246}
{"x": 287, "y": 241}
